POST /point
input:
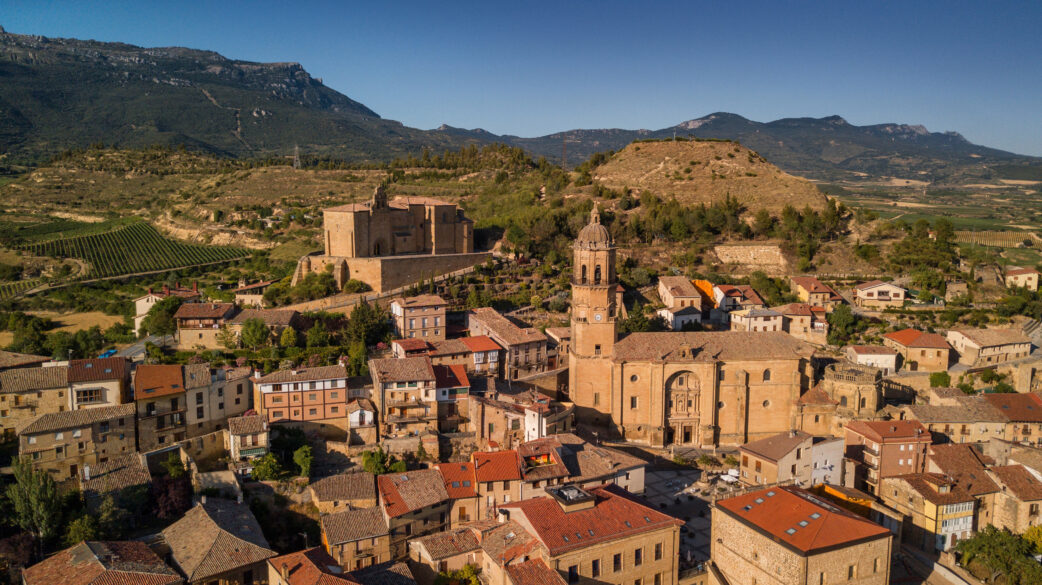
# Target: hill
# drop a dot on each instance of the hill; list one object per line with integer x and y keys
{"x": 706, "y": 172}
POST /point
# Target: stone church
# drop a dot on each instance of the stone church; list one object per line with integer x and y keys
{"x": 700, "y": 389}
{"x": 388, "y": 244}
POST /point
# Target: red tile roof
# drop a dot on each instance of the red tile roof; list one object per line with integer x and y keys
{"x": 313, "y": 566}
{"x": 813, "y": 285}
{"x": 1017, "y": 407}
{"x": 743, "y": 291}
{"x": 102, "y": 563}
{"x": 459, "y": 479}
{"x": 412, "y": 344}
{"x": 96, "y": 370}
{"x": 152, "y": 381}
{"x": 1017, "y": 479}
{"x": 965, "y": 465}
{"x": 496, "y": 466}
{"x": 534, "y": 572}
{"x": 204, "y": 310}
{"x": 1019, "y": 271}
{"x": 801, "y": 520}
{"x": 480, "y": 343}
{"x": 915, "y": 338}
{"x": 451, "y": 376}
{"x": 816, "y": 396}
{"x": 615, "y": 514}
{"x": 402, "y": 493}
{"x": 887, "y": 430}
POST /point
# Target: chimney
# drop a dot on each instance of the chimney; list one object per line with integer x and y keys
{"x": 86, "y": 473}
{"x": 177, "y": 284}
{"x": 166, "y": 289}
{"x": 202, "y": 499}
{"x": 195, "y": 286}
{"x": 285, "y": 572}
{"x": 149, "y": 290}
{"x": 792, "y": 433}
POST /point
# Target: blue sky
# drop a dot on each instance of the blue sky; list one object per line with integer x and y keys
{"x": 531, "y": 68}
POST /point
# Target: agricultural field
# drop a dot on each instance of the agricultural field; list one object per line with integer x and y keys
{"x": 998, "y": 239}
{"x": 12, "y": 289}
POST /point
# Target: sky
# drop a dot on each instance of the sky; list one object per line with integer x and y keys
{"x": 530, "y": 68}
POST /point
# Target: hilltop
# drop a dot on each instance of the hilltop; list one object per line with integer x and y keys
{"x": 706, "y": 172}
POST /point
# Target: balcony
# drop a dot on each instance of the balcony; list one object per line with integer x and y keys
{"x": 411, "y": 403}
{"x": 25, "y": 404}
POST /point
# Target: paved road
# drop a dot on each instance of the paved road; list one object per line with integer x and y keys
{"x": 138, "y": 348}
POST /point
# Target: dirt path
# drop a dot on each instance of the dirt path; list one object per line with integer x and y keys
{"x": 238, "y": 118}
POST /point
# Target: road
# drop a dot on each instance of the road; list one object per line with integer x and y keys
{"x": 138, "y": 347}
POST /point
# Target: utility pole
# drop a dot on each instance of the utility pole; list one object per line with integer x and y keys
{"x": 296, "y": 156}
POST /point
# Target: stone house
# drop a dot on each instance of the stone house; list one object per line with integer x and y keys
{"x": 10, "y": 360}
{"x": 938, "y": 512}
{"x": 26, "y": 393}
{"x": 967, "y": 419}
{"x": 446, "y": 551}
{"x": 215, "y": 395}
{"x": 310, "y": 397}
{"x": 276, "y": 320}
{"x": 814, "y": 292}
{"x": 504, "y": 545}
{"x": 1018, "y": 502}
{"x": 413, "y": 503}
{"x": 219, "y": 541}
{"x": 159, "y": 396}
{"x": 505, "y": 420}
{"x": 789, "y": 535}
{"x": 1022, "y": 278}
{"x": 782, "y": 458}
{"x": 525, "y": 347}
{"x": 756, "y": 320}
{"x": 357, "y": 538}
{"x": 311, "y": 566}
{"x": 144, "y": 304}
{"x": 876, "y": 356}
{"x": 967, "y": 467}
{"x": 879, "y": 294}
{"x": 989, "y": 347}
{"x": 62, "y": 443}
{"x": 497, "y": 478}
{"x": 124, "y": 478}
{"x": 405, "y": 391}
{"x": 344, "y": 491}
{"x": 559, "y": 341}
{"x": 199, "y": 325}
{"x": 124, "y": 562}
{"x": 98, "y": 382}
{"x": 452, "y": 397}
{"x": 1023, "y": 413}
{"x": 921, "y": 351}
{"x": 461, "y": 487}
{"x": 251, "y": 295}
{"x": 678, "y": 292}
{"x": 805, "y": 322}
{"x": 881, "y": 449}
{"x": 419, "y": 317}
{"x": 247, "y": 440}
{"x": 478, "y": 355}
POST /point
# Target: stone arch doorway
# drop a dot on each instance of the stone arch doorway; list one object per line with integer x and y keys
{"x": 380, "y": 248}
{"x": 683, "y": 390}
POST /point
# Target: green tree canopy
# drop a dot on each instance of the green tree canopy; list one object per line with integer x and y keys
{"x": 160, "y": 318}
{"x": 35, "y": 499}
{"x": 304, "y": 458}
{"x": 288, "y": 337}
{"x": 267, "y": 468}
{"x": 255, "y": 333}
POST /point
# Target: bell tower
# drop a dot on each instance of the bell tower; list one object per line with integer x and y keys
{"x": 593, "y": 321}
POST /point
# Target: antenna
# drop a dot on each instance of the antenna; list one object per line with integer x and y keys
{"x": 296, "y": 156}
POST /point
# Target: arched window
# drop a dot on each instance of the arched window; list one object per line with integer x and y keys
{"x": 584, "y": 275}
{"x": 597, "y": 275}
{"x": 842, "y": 400}
{"x": 766, "y": 375}
{"x": 863, "y": 402}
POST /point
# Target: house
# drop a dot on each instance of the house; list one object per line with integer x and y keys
{"x": 218, "y": 541}
{"x": 921, "y": 351}
{"x": 414, "y": 503}
{"x": 603, "y": 533}
{"x": 405, "y": 391}
{"x": 452, "y": 391}
{"x": 447, "y": 551}
{"x": 410, "y": 347}
{"x": 478, "y": 355}
{"x": 144, "y": 304}
{"x": 1018, "y": 502}
{"x": 1023, "y": 413}
{"x": 497, "y": 479}
{"x": 247, "y": 440}
{"x": 311, "y": 566}
{"x": 875, "y": 356}
{"x": 777, "y": 459}
{"x": 989, "y": 347}
{"x": 1022, "y": 278}
{"x": 199, "y": 325}
{"x": 967, "y": 467}
{"x": 733, "y": 297}
{"x": 954, "y": 289}
{"x": 525, "y": 347}
{"x": 505, "y": 545}
{"x": 26, "y": 393}
{"x": 125, "y": 478}
{"x": 389, "y": 573}
{"x": 756, "y": 320}
{"x": 159, "y": 398}
{"x": 812, "y": 291}
{"x": 214, "y": 395}
{"x": 316, "y": 396}
{"x": 966, "y": 419}
{"x": 356, "y": 538}
{"x": 344, "y": 491}
{"x": 679, "y": 318}
{"x": 461, "y": 487}
{"x": 789, "y": 535}
{"x": 804, "y": 321}
{"x": 251, "y": 295}
{"x": 879, "y": 294}
{"x": 94, "y": 563}
{"x": 361, "y": 421}
{"x": 276, "y": 320}
{"x": 62, "y": 443}
{"x": 10, "y": 360}
{"x": 678, "y": 292}
{"x": 939, "y": 512}
{"x": 98, "y": 382}
{"x": 881, "y": 449}
{"x": 565, "y": 458}
{"x": 559, "y": 341}
{"x": 505, "y": 420}
{"x": 420, "y": 317}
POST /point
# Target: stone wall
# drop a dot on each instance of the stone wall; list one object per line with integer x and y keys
{"x": 389, "y": 272}
{"x": 766, "y": 258}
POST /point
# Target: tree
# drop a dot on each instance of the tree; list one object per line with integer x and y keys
{"x": 843, "y": 324}
{"x": 160, "y": 318}
{"x": 379, "y": 462}
{"x": 288, "y": 337}
{"x": 421, "y": 453}
{"x": 173, "y": 465}
{"x": 80, "y": 529}
{"x": 940, "y": 380}
{"x": 357, "y": 358}
{"x": 1034, "y": 536}
{"x": 304, "y": 458}
{"x": 468, "y": 575}
{"x": 317, "y": 336}
{"x": 35, "y": 499}
{"x": 112, "y": 519}
{"x": 267, "y": 468}
{"x": 254, "y": 333}
{"x": 367, "y": 323}
{"x": 171, "y": 496}
{"x": 1000, "y": 552}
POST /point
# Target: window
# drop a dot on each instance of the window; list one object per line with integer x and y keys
{"x": 312, "y": 411}
{"x": 616, "y": 562}
{"x": 658, "y": 551}
{"x": 88, "y": 396}
{"x": 658, "y": 578}
{"x": 638, "y": 557}
{"x": 198, "y": 397}
{"x": 597, "y": 349}
{"x": 596, "y": 398}
{"x": 633, "y": 402}
{"x": 595, "y": 568}
{"x": 59, "y": 436}
{"x": 875, "y": 565}
{"x": 851, "y": 572}
{"x": 573, "y": 574}
{"x": 199, "y": 412}
{"x": 766, "y": 375}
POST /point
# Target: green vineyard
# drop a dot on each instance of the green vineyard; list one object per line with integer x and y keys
{"x": 132, "y": 249}
{"x": 1006, "y": 239}
{"x": 11, "y": 289}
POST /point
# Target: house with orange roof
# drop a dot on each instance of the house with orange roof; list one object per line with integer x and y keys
{"x": 453, "y": 390}
{"x": 160, "y": 399}
{"x": 812, "y": 291}
{"x": 461, "y": 486}
{"x": 311, "y": 566}
{"x": 790, "y": 535}
{"x": 881, "y": 449}
{"x": 413, "y": 503}
{"x": 497, "y": 476}
{"x": 1021, "y": 278}
{"x": 879, "y": 294}
{"x": 939, "y": 511}
{"x": 920, "y": 351}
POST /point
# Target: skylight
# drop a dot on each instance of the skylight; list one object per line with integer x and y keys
{"x": 565, "y": 537}
{"x": 770, "y": 494}
{"x": 815, "y": 516}
{"x": 759, "y": 500}
{"x": 628, "y": 525}
{"x": 455, "y": 484}
{"x": 804, "y": 523}
{"x": 790, "y": 531}
{"x": 590, "y": 531}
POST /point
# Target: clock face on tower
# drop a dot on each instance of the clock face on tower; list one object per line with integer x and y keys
{"x": 597, "y": 317}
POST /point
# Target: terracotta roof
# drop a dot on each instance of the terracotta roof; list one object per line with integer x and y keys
{"x": 451, "y": 376}
{"x": 412, "y": 344}
{"x": 458, "y": 479}
{"x": 361, "y": 404}
{"x": 703, "y": 346}
{"x": 1017, "y": 407}
{"x": 389, "y": 573}
{"x": 312, "y": 566}
{"x": 542, "y": 459}
{"x": 262, "y": 284}
{"x": 359, "y": 485}
{"x": 304, "y": 375}
{"x": 505, "y": 329}
{"x": 587, "y": 462}
{"x": 496, "y": 466}
{"x": 813, "y": 285}
{"x": 816, "y": 396}
{"x": 968, "y": 410}
{"x": 871, "y": 350}
{"x": 964, "y": 464}
{"x": 558, "y": 333}
{"x": 887, "y": 430}
{"x": 215, "y": 537}
{"x": 98, "y": 369}
{"x": 507, "y": 541}
{"x": 420, "y": 301}
{"x": 678, "y": 286}
{"x": 409, "y": 369}
{"x": 927, "y": 484}
{"x": 797, "y": 310}
{"x": 534, "y": 572}
{"x": 483, "y": 343}
{"x": 874, "y": 284}
{"x": 353, "y": 525}
{"x": 153, "y": 381}
{"x": 10, "y": 359}
{"x": 915, "y": 338}
{"x": 1017, "y": 479}
{"x": 1019, "y": 271}
{"x": 114, "y": 475}
{"x": 246, "y": 425}
{"x": 800, "y": 519}
{"x": 402, "y": 493}
{"x": 775, "y": 447}
{"x": 443, "y": 545}
{"x": 204, "y": 310}
{"x": 746, "y": 293}
{"x": 993, "y": 337}
{"x": 198, "y": 376}
{"x": 270, "y": 317}
{"x": 26, "y": 379}
{"x": 102, "y": 563}
{"x": 71, "y": 419}
{"x": 756, "y": 312}
{"x": 615, "y": 514}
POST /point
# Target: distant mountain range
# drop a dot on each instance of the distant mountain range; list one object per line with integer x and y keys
{"x": 57, "y": 94}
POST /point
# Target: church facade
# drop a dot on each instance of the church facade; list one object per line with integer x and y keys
{"x": 699, "y": 389}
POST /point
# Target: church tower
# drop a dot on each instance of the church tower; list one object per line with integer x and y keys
{"x": 593, "y": 322}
